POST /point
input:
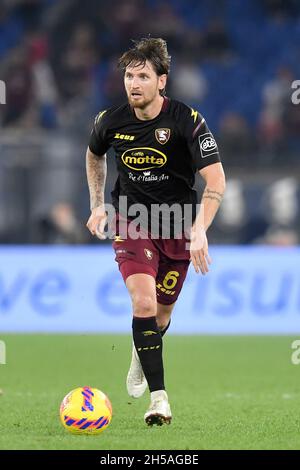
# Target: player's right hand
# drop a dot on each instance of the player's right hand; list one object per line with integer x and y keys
{"x": 97, "y": 222}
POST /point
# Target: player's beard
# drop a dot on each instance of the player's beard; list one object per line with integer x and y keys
{"x": 141, "y": 103}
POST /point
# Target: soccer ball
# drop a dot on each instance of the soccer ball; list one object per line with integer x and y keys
{"x": 85, "y": 410}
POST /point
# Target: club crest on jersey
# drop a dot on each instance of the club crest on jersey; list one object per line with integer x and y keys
{"x": 148, "y": 253}
{"x": 162, "y": 135}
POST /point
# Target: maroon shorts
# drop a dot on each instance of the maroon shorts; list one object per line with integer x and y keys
{"x": 166, "y": 260}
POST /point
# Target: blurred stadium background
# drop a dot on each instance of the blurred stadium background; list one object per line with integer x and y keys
{"x": 234, "y": 61}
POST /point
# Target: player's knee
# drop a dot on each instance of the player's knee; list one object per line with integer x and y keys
{"x": 143, "y": 306}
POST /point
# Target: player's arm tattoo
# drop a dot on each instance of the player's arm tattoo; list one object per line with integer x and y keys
{"x": 211, "y": 194}
{"x": 96, "y": 169}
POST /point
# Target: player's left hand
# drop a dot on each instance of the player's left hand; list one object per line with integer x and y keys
{"x": 199, "y": 250}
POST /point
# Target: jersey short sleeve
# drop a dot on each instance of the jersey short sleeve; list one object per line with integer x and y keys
{"x": 200, "y": 140}
{"x": 98, "y": 143}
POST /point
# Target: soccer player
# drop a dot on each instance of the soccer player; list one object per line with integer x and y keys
{"x": 159, "y": 144}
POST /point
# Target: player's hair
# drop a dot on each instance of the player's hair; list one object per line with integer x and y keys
{"x": 152, "y": 49}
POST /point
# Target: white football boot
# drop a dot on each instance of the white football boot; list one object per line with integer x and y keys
{"x": 136, "y": 381}
{"x": 159, "y": 411}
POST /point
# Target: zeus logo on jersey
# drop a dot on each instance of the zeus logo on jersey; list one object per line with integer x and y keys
{"x": 143, "y": 158}
{"x": 208, "y": 145}
{"x": 118, "y": 135}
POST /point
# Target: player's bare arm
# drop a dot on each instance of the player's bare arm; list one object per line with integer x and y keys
{"x": 96, "y": 169}
{"x": 212, "y": 196}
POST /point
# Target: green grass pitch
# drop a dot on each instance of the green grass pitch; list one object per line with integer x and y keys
{"x": 225, "y": 392}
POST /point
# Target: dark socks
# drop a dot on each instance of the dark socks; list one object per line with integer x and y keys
{"x": 148, "y": 343}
